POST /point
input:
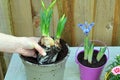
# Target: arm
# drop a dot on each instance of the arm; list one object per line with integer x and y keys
{"x": 21, "y": 45}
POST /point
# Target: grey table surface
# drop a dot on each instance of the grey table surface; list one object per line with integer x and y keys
{"x": 16, "y": 69}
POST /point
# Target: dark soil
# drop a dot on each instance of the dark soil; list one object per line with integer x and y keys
{"x": 95, "y": 63}
{"x": 61, "y": 55}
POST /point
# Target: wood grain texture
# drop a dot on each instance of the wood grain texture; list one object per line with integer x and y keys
{"x": 83, "y": 12}
{"x": 35, "y": 9}
{"x": 105, "y": 14}
{"x": 77, "y": 11}
{"x": 116, "y": 29}
{"x": 5, "y": 24}
{"x": 2, "y": 65}
{"x": 1, "y": 72}
{"x": 68, "y": 33}
{"x": 5, "y": 27}
{"x": 22, "y": 17}
{"x": 55, "y": 18}
{"x": 104, "y": 20}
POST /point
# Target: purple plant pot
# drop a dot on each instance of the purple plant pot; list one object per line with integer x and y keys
{"x": 88, "y": 73}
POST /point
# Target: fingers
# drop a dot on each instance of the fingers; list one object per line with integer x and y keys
{"x": 37, "y": 46}
{"x": 27, "y": 52}
{"x": 32, "y": 43}
{"x": 36, "y": 39}
{"x": 40, "y": 49}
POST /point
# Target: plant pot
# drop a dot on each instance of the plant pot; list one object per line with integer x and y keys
{"x": 89, "y": 72}
{"x": 53, "y": 71}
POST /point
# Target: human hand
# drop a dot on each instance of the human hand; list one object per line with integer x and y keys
{"x": 23, "y": 45}
{"x": 27, "y": 46}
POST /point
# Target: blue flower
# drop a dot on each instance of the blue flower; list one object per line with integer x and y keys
{"x": 86, "y": 27}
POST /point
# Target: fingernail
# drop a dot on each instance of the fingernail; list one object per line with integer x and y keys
{"x": 44, "y": 54}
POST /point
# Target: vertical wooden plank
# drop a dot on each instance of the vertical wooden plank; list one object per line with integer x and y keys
{"x": 36, "y": 6}
{"x": 84, "y": 11}
{"x": 117, "y": 16}
{"x": 22, "y": 17}
{"x": 116, "y": 29}
{"x": 69, "y": 31}
{"x": 2, "y": 64}
{"x": 104, "y": 20}
{"x": 1, "y": 73}
{"x": 55, "y": 18}
{"x": 5, "y": 24}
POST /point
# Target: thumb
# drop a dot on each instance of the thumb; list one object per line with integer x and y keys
{"x": 39, "y": 49}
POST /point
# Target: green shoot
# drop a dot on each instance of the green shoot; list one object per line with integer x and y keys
{"x": 86, "y": 47}
{"x": 90, "y": 53}
{"x": 51, "y": 6}
{"x": 101, "y": 53}
{"x": 43, "y": 5}
{"x": 45, "y": 18}
{"x": 115, "y": 63}
{"x": 60, "y": 26}
{"x": 89, "y": 48}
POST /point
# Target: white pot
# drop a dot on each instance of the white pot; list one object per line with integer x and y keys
{"x": 54, "y": 71}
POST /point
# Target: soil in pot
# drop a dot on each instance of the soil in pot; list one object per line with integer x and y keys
{"x": 95, "y": 63}
{"x": 61, "y": 55}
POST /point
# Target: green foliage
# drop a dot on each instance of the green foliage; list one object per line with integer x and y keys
{"x": 111, "y": 76}
{"x": 115, "y": 63}
{"x": 60, "y": 26}
{"x": 101, "y": 53}
{"x": 45, "y": 17}
{"x": 86, "y": 47}
{"x": 89, "y": 49}
{"x": 90, "y": 54}
{"x": 45, "y": 20}
{"x": 117, "y": 77}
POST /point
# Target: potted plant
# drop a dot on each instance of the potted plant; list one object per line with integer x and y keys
{"x": 51, "y": 66}
{"x": 113, "y": 70}
{"x": 91, "y": 61}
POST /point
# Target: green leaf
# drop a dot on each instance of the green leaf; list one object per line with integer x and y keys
{"x": 43, "y": 5}
{"x": 90, "y": 55}
{"x": 48, "y": 21}
{"x": 86, "y": 47}
{"x": 51, "y": 5}
{"x": 45, "y": 22}
{"x": 42, "y": 23}
{"x": 60, "y": 26}
{"x": 101, "y": 53}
